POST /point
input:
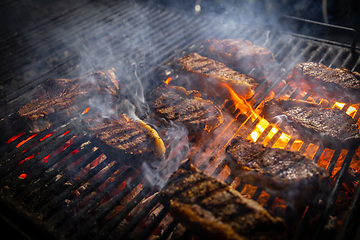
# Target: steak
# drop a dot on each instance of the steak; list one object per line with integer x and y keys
{"x": 213, "y": 210}
{"x": 286, "y": 174}
{"x": 56, "y": 95}
{"x": 337, "y": 84}
{"x": 309, "y": 121}
{"x": 211, "y": 77}
{"x": 176, "y": 104}
{"x": 126, "y": 137}
{"x": 241, "y": 55}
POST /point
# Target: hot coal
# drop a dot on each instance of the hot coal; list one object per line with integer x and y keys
{"x": 309, "y": 121}
{"x": 286, "y": 174}
{"x": 210, "y": 77}
{"x": 214, "y": 210}
{"x": 188, "y": 107}
{"x": 63, "y": 95}
{"x": 337, "y": 84}
{"x": 241, "y": 55}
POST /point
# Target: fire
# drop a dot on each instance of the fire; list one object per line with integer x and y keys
{"x": 240, "y": 103}
{"x": 86, "y": 110}
{"x": 24, "y": 141}
{"x": 13, "y": 138}
{"x": 351, "y": 111}
{"x": 297, "y": 144}
{"x": 259, "y": 129}
{"x": 338, "y": 105}
{"x": 282, "y": 141}
{"x": 168, "y": 80}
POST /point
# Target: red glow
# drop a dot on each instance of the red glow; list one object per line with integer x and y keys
{"x": 13, "y": 138}
{"x": 47, "y": 136}
{"x": 29, "y": 157}
{"x": 22, "y": 176}
{"x": 65, "y": 133}
{"x": 86, "y": 110}
{"x": 168, "y": 80}
{"x": 29, "y": 138}
{"x": 44, "y": 160}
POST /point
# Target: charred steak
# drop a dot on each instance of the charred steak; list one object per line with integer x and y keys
{"x": 337, "y": 84}
{"x": 309, "y": 121}
{"x": 214, "y": 210}
{"x": 241, "y": 55}
{"x": 176, "y": 104}
{"x": 210, "y": 77}
{"x": 284, "y": 173}
{"x": 121, "y": 134}
{"x": 56, "y": 95}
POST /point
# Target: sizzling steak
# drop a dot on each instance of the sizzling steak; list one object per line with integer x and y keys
{"x": 214, "y": 210}
{"x": 124, "y": 135}
{"x": 176, "y": 104}
{"x": 241, "y": 55}
{"x": 56, "y": 95}
{"x": 209, "y": 76}
{"x": 309, "y": 121}
{"x": 287, "y": 174}
{"x": 337, "y": 84}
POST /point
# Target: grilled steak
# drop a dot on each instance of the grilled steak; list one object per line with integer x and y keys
{"x": 336, "y": 84}
{"x": 124, "y": 135}
{"x": 214, "y": 210}
{"x": 241, "y": 55}
{"x": 176, "y": 104}
{"x": 210, "y": 77}
{"x": 284, "y": 173}
{"x": 56, "y": 95}
{"x": 309, "y": 121}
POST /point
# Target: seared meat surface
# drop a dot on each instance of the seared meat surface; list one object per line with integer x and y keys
{"x": 56, "y": 95}
{"x": 176, "y": 104}
{"x": 214, "y": 210}
{"x": 309, "y": 121}
{"x": 241, "y": 55}
{"x": 287, "y": 174}
{"x": 210, "y": 77}
{"x": 122, "y": 134}
{"x": 337, "y": 84}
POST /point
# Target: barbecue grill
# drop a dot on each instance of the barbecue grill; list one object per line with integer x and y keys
{"x": 60, "y": 184}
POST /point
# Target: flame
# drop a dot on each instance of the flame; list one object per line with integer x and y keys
{"x": 351, "y": 111}
{"x": 24, "y": 141}
{"x": 86, "y": 110}
{"x": 297, "y": 144}
{"x": 282, "y": 141}
{"x": 168, "y": 80}
{"x": 259, "y": 129}
{"x": 240, "y": 103}
{"x": 23, "y": 176}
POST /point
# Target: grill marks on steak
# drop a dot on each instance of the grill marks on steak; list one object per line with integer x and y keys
{"x": 287, "y": 174}
{"x": 176, "y": 104}
{"x": 317, "y": 79}
{"x": 56, "y": 95}
{"x": 131, "y": 137}
{"x": 209, "y": 76}
{"x": 241, "y": 55}
{"x": 214, "y": 210}
{"x": 307, "y": 120}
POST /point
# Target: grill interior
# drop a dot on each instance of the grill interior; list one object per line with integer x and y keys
{"x": 61, "y": 183}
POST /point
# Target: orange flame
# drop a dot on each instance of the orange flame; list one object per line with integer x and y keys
{"x": 240, "y": 103}
{"x": 168, "y": 80}
{"x": 86, "y": 110}
{"x": 339, "y": 105}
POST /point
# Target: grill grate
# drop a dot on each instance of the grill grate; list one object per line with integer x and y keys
{"x": 63, "y": 183}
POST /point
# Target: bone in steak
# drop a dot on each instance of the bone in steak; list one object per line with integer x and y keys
{"x": 337, "y": 84}
{"x": 309, "y": 121}
{"x": 210, "y": 76}
{"x": 126, "y": 137}
{"x": 213, "y": 210}
{"x": 241, "y": 55}
{"x": 56, "y": 95}
{"x": 286, "y": 174}
{"x": 176, "y": 104}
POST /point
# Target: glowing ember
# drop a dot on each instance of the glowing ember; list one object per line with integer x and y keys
{"x": 271, "y": 134}
{"x": 30, "y": 157}
{"x": 23, "y": 176}
{"x": 325, "y": 158}
{"x": 86, "y": 110}
{"x": 297, "y": 144}
{"x": 351, "y": 111}
{"x": 259, "y": 129}
{"x": 311, "y": 151}
{"x": 282, "y": 141}
{"x": 15, "y": 137}
{"x": 168, "y": 80}
{"x": 338, "y": 105}
{"x": 47, "y": 136}
{"x": 29, "y": 138}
